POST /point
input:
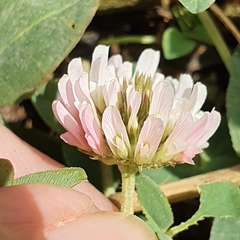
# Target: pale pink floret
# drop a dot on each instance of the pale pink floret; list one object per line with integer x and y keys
{"x": 93, "y": 133}
{"x": 75, "y": 134}
{"x": 101, "y": 111}
{"x": 115, "y": 132}
{"x": 148, "y": 140}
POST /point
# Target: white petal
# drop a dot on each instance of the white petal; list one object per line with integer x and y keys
{"x": 184, "y": 87}
{"x": 99, "y": 51}
{"x": 162, "y": 100}
{"x": 147, "y": 63}
{"x": 148, "y": 140}
{"x": 197, "y": 98}
{"x": 75, "y": 69}
{"x": 116, "y": 61}
{"x": 115, "y": 132}
{"x": 125, "y": 72}
{"x": 110, "y": 93}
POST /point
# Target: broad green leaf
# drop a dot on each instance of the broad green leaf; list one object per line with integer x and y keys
{"x": 175, "y": 45}
{"x": 233, "y": 100}
{"x": 35, "y": 37}
{"x": 225, "y": 229}
{"x": 42, "y": 101}
{"x": 196, "y": 6}
{"x": 154, "y": 204}
{"x": 64, "y": 177}
{"x": 219, "y": 199}
{"x": 6, "y": 173}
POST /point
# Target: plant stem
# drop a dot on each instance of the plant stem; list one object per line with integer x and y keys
{"x": 128, "y": 188}
{"x": 226, "y": 21}
{"x": 108, "y": 183}
{"x": 216, "y": 37}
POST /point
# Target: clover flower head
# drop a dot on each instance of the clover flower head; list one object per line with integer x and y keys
{"x": 139, "y": 118}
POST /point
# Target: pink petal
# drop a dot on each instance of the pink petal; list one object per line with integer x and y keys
{"x": 213, "y": 123}
{"x": 66, "y": 94}
{"x": 176, "y": 142}
{"x": 149, "y": 139}
{"x": 92, "y": 130}
{"x": 69, "y": 123}
{"x": 71, "y": 140}
{"x": 147, "y": 63}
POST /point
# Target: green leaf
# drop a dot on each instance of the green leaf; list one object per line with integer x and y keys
{"x": 225, "y": 229}
{"x": 233, "y": 100}
{"x": 6, "y": 173}
{"x": 196, "y": 6}
{"x": 42, "y": 101}
{"x": 154, "y": 204}
{"x": 163, "y": 236}
{"x": 199, "y": 34}
{"x": 35, "y": 37}
{"x": 175, "y": 44}
{"x": 64, "y": 177}
{"x": 219, "y": 199}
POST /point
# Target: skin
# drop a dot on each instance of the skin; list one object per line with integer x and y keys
{"x": 44, "y": 211}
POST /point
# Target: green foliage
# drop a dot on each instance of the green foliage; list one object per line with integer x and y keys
{"x": 233, "y": 100}
{"x": 42, "y": 101}
{"x": 64, "y": 177}
{"x": 6, "y": 173}
{"x": 225, "y": 229}
{"x": 177, "y": 43}
{"x": 35, "y": 37}
{"x": 196, "y": 6}
{"x": 219, "y": 199}
{"x": 154, "y": 204}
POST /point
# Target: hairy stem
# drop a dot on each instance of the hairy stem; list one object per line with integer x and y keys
{"x": 128, "y": 188}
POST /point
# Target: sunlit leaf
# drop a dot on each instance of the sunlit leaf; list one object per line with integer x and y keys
{"x": 64, "y": 177}
{"x": 233, "y": 100}
{"x": 219, "y": 199}
{"x": 6, "y": 173}
{"x": 154, "y": 204}
{"x": 225, "y": 229}
{"x": 196, "y": 6}
{"x": 35, "y": 37}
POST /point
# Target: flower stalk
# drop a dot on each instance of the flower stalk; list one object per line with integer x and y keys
{"x": 128, "y": 187}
